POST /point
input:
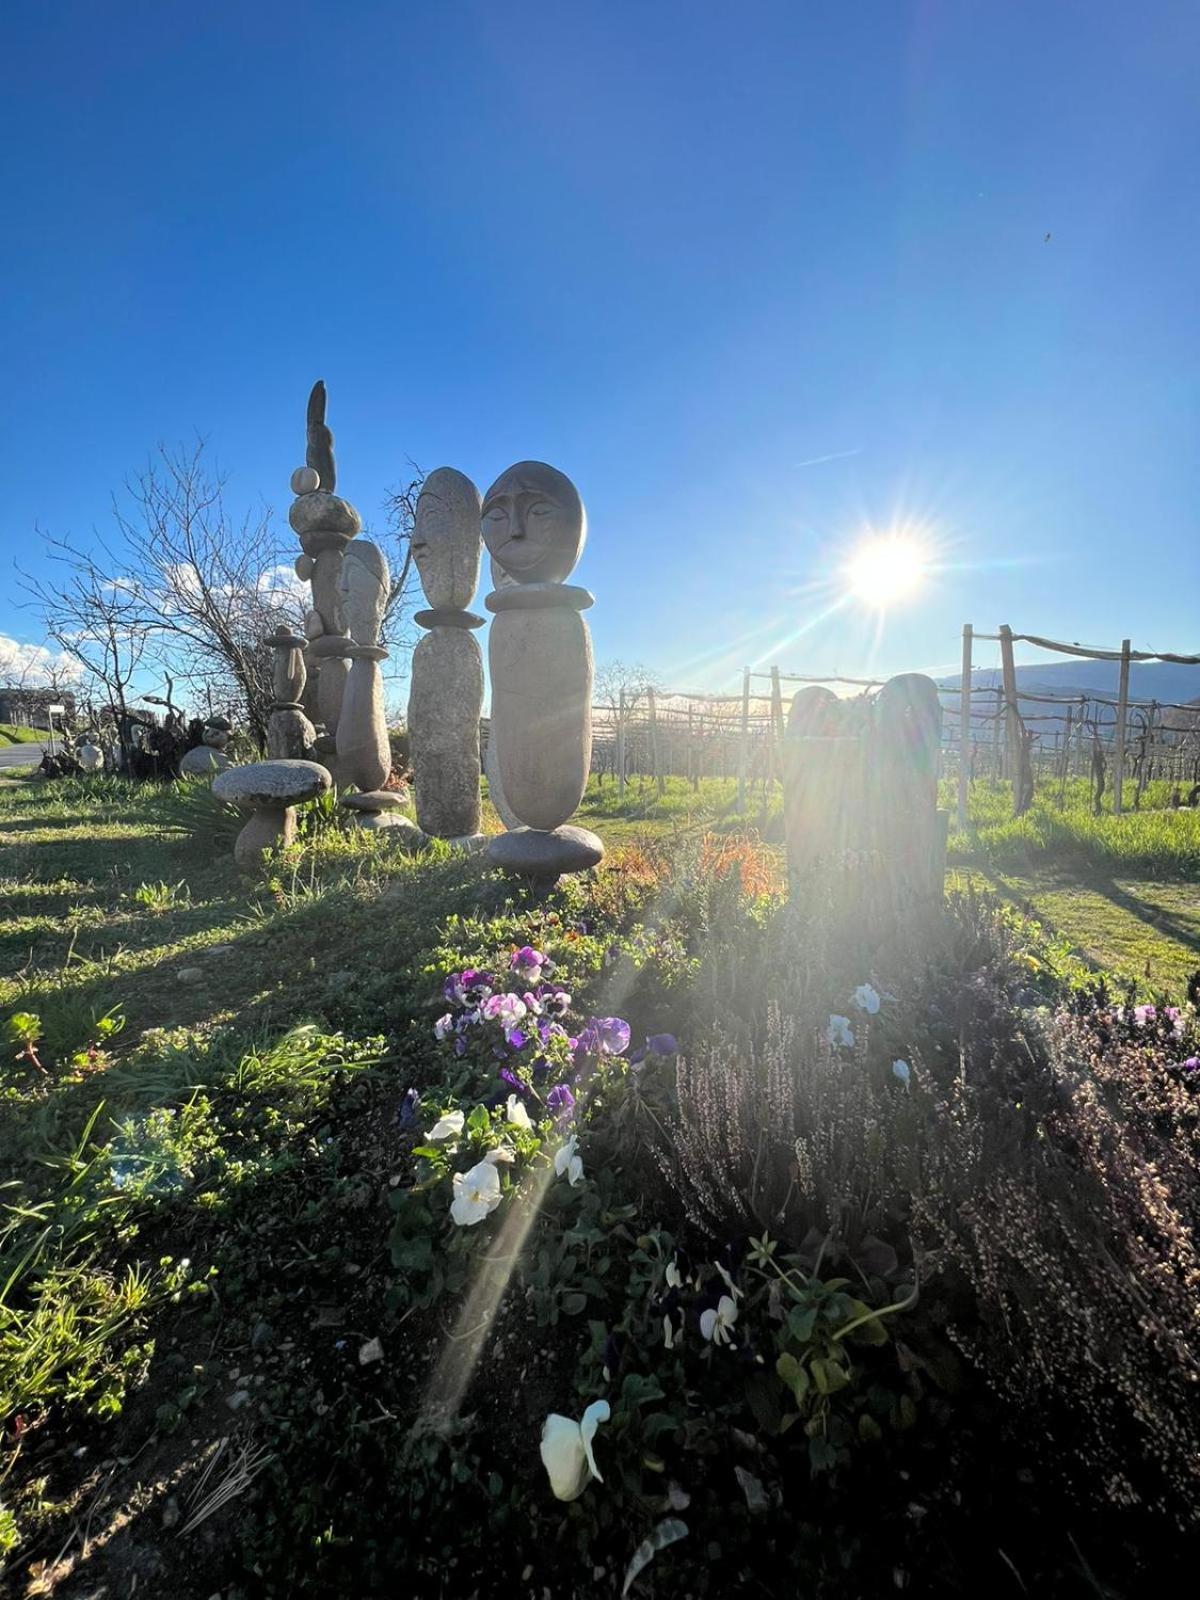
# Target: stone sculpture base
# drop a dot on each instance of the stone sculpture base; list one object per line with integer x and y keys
{"x": 542, "y": 856}
{"x": 364, "y": 755}
{"x": 269, "y": 828}
{"x": 290, "y": 735}
{"x": 203, "y": 762}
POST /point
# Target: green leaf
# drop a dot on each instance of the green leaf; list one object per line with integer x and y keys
{"x": 801, "y": 1323}
{"x": 574, "y": 1303}
{"x": 668, "y": 1531}
{"x": 828, "y": 1376}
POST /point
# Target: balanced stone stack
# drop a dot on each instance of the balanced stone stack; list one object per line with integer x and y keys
{"x": 540, "y": 657}
{"x": 325, "y": 524}
{"x": 208, "y": 757}
{"x": 446, "y": 694}
{"x": 290, "y": 735}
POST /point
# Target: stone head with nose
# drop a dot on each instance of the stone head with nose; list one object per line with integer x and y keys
{"x": 534, "y": 524}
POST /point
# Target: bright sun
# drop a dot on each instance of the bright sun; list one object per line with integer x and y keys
{"x": 886, "y": 570}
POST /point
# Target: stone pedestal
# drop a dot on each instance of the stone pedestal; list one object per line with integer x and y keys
{"x": 270, "y": 792}
{"x": 364, "y": 757}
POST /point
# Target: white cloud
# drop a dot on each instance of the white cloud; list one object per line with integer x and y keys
{"x": 33, "y": 666}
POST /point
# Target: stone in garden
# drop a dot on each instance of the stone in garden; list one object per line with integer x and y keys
{"x": 446, "y": 691}
{"x": 90, "y": 757}
{"x": 380, "y": 810}
{"x": 364, "y": 755}
{"x": 203, "y": 762}
{"x": 270, "y": 791}
{"x": 540, "y": 656}
{"x": 491, "y": 768}
{"x": 538, "y": 854}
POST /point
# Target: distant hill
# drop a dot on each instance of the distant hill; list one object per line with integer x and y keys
{"x": 1163, "y": 681}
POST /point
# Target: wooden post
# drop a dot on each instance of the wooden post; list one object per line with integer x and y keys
{"x": 744, "y": 753}
{"x": 1122, "y": 715}
{"x": 964, "y": 726}
{"x": 621, "y": 745}
{"x": 1012, "y": 717}
{"x": 655, "y": 763}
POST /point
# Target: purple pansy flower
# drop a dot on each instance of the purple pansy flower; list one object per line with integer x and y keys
{"x": 513, "y": 1081}
{"x": 527, "y": 963}
{"x": 410, "y": 1107}
{"x": 560, "y": 1101}
{"x": 516, "y": 1038}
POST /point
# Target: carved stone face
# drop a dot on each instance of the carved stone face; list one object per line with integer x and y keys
{"x": 445, "y": 538}
{"x": 534, "y": 524}
{"x": 362, "y": 588}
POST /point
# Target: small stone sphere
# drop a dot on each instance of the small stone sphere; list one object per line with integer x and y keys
{"x": 304, "y": 566}
{"x": 305, "y": 480}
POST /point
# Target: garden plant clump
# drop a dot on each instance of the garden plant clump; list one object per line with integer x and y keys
{"x": 656, "y": 1236}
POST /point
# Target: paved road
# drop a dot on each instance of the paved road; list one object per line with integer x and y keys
{"x": 20, "y": 755}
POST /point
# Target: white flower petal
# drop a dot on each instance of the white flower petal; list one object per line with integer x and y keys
{"x": 517, "y": 1113}
{"x": 595, "y": 1414}
{"x": 564, "y": 1457}
{"x": 708, "y": 1323}
{"x": 447, "y": 1127}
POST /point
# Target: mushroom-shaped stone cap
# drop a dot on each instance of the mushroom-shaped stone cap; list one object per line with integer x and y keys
{"x": 272, "y": 783}
{"x": 374, "y": 800}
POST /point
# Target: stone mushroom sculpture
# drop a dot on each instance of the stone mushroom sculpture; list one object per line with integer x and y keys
{"x": 446, "y": 693}
{"x": 540, "y": 655}
{"x": 270, "y": 791}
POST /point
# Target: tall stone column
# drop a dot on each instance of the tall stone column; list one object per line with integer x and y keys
{"x": 364, "y": 756}
{"x": 446, "y": 693}
{"x": 325, "y": 524}
{"x": 540, "y": 656}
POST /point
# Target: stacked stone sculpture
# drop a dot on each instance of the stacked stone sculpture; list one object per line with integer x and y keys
{"x": 540, "y": 657}
{"x": 325, "y": 524}
{"x": 364, "y": 756}
{"x": 208, "y": 757}
{"x": 290, "y": 735}
{"x": 270, "y": 791}
{"x": 446, "y": 694}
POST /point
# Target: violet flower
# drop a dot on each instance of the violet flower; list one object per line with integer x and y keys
{"x": 560, "y": 1101}
{"x": 409, "y": 1110}
{"x": 527, "y": 963}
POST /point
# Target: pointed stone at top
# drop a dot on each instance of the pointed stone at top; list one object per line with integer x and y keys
{"x": 319, "y": 454}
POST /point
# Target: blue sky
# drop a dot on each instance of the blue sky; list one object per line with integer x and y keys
{"x": 757, "y": 276}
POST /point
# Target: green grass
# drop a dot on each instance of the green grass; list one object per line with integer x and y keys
{"x": 10, "y": 733}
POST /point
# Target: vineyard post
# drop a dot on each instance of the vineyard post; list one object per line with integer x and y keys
{"x": 1012, "y": 715}
{"x": 964, "y": 725}
{"x": 621, "y": 745}
{"x": 1122, "y": 716}
{"x": 655, "y": 763}
{"x": 744, "y": 751}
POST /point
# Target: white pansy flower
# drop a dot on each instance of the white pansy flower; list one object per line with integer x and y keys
{"x": 568, "y": 1160}
{"x": 566, "y": 1450}
{"x": 476, "y": 1194}
{"x": 715, "y": 1325}
{"x": 840, "y": 1033}
{"x": 901, "y": 1070}
{"x": 516, "y": 1112}
{"x": 443, "y": 1027}
{"x": 866, "y": 999}
{"x": 447, "y": 1127}
{"x": 674, "y": 1276}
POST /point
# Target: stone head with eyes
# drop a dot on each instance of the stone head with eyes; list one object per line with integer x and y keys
{"x": 534, "y": 524}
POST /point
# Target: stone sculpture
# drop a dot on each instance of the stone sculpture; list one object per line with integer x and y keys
{"x": 325, "y": 525}
{"x": 380, "y": 811}
{"x": 860, "y": 791}
{"x": 270, "y": 791}
{"x": 364, "y": 756}
{"x": 90, "y": 756}
{"x": 290, "y": 735}
{"x": 540, "y": 656}
{"x": 446, "y": 694}
{"x": 209, "y": 756}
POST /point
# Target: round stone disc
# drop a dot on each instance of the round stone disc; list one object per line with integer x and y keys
{"x": 536, "y": 854}
{"x": 537, "y": 596}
